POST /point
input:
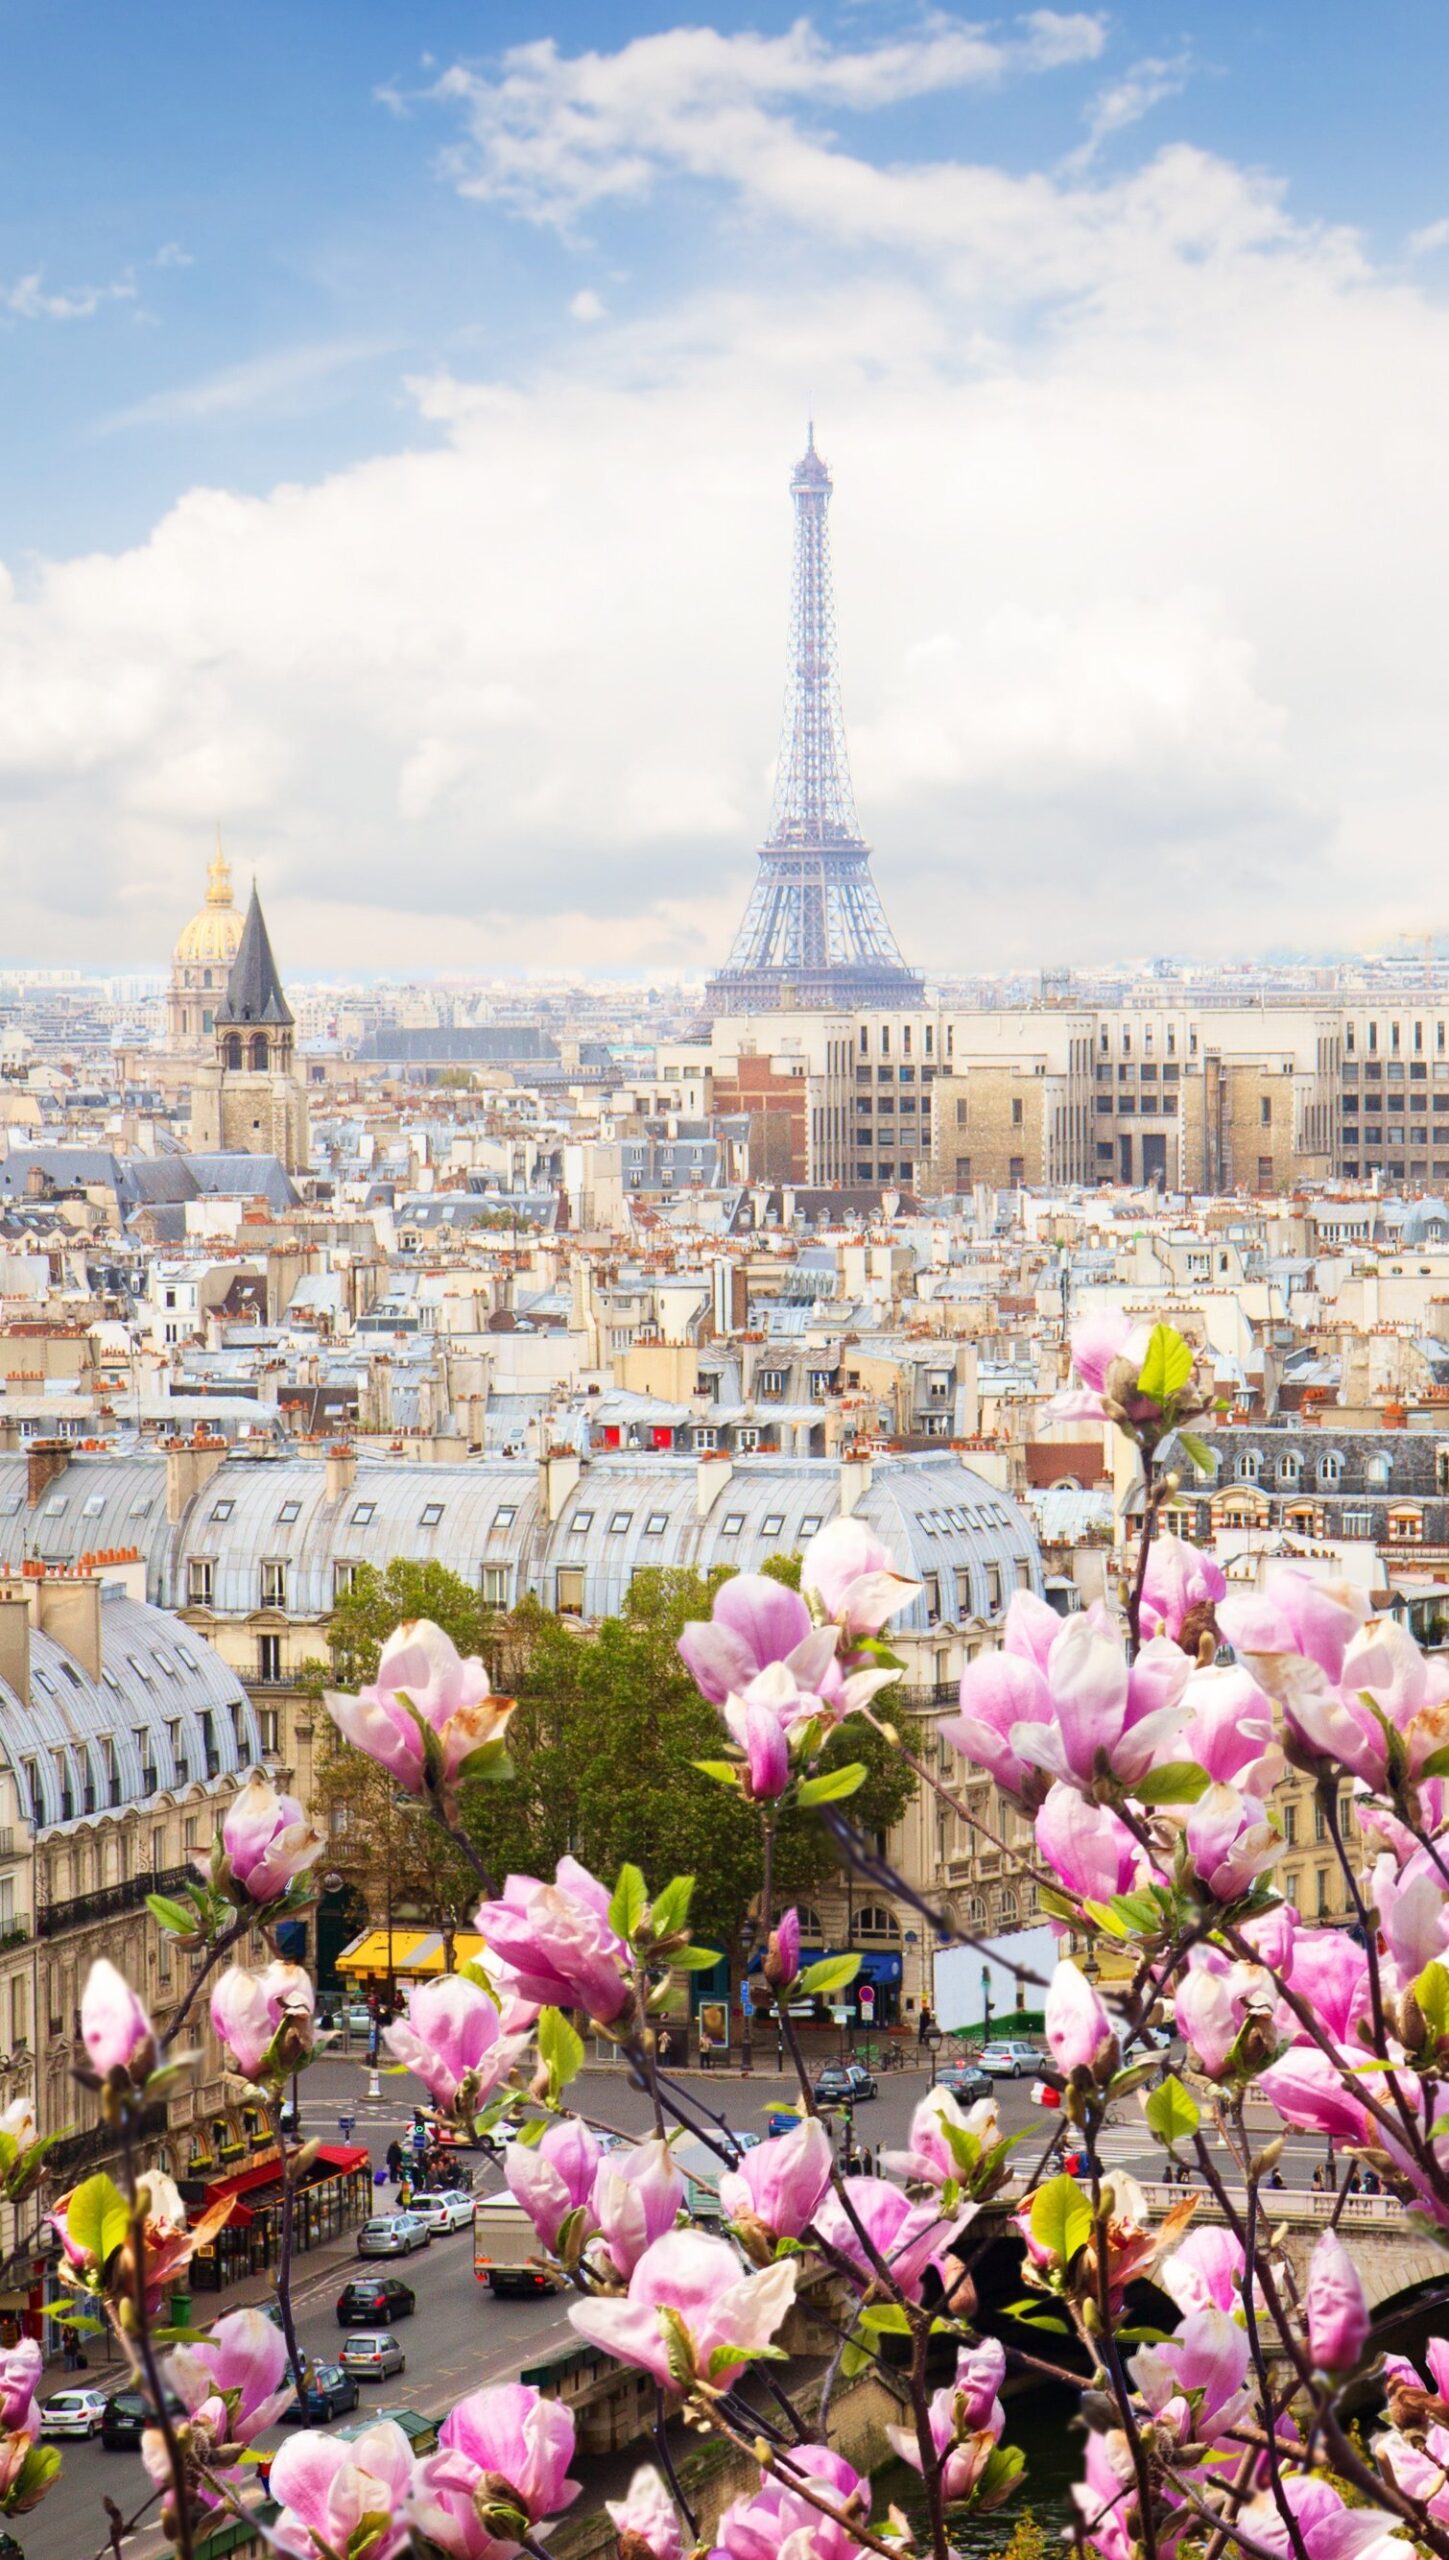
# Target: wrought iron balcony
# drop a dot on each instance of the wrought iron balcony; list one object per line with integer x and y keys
{"x": 54, "y": 1918}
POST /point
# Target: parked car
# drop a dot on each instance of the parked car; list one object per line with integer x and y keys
{"x": 845, "y": 2080}
{"x": 73, "y": 2413}
{"x": 374, "y": 2302}
{"x": 326, "y": 2392}
{"x": 393, "y": 2235}
{"x": 126, "y": 2416}
{"x": 371, "y": 2354}
{"x": 965, "y": 2080}
{"x": 1011, "y": 2058}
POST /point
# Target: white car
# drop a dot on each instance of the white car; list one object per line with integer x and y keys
{"x": 72, "y": 2413}
{"x": 444, "y": 2209}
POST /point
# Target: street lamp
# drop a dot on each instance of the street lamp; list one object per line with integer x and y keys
{"x": 986, "y": 2004}
{"x": 747, "y": 2015}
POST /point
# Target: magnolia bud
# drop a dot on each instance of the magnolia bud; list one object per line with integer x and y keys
{"x": 1267, "y": 2159}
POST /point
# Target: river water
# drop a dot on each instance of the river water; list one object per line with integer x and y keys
{"x": 1039, "y": 2421}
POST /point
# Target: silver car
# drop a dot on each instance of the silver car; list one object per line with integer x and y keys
{"x": 371, "y": 2355}
{"x": 393, "y": 2235}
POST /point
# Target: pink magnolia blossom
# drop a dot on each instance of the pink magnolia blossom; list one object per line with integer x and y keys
{"x": 999, "y": 1692}
{"x": 1088, "y": 1847}
{"x": 1195, "y": 2383}
{"x": 1030, "y": 1628}
{"x": 854, "y": 1577}
{"x": 636, "y": 2199}
{"x": 1230, "y": 1730}
{"x": 1106, "y": 2499}
{"x": 454, "y": 2038}
{"x": 1328, "y": 2530}
{"x": 268, "y": 1841}
{"x": 776, "y": 2523}
{"x": 1100, "y": 1721}
{"x": 1334, "y": 2306}
{"x": 243, "y": 2360}
{"x": 1401, "y": 2375}
{"x": 647, "y": 2520}
{"x": 1209, "y": 2008}
{"x": 554, "y": 1943}
{"x": 115, "y": 2030}
{"x": 759, "y": 1724}
{"x": 1297, "y": 1611}
{"x": 697, "y": 2278}
{"x": 753, "y": 1622}
{"x": 327, "y": 2488}
{"x": 247, "y": 2010}
{"x": 906, "y": 2237}
{"x": 1311, "y": 2094}
{"x": 966, "y": 2419}
{"x": 1230, "y": 1842}
{"x": 1418, "y": 2470}
{"x": 1078, "y": 2029}
{"x": 422, "y": 1683}
{"x": 1385, "y": 1666}
{"x": 1329, "y": 1970}
{"x": 1099, "y": 1338}
{"x": 930, "y": 2161}
{"x": 1204, "y": 2272}
{"x": 554, "y": 2177}
{"x": 783, "y": 1961}
{"x": 1413, "y": 1912}
{"x": 1179, "y": 1578}
{"x": 781, "y": 2181}
{"x": 503, "y": 2450}
{"x": 21, "y": 2367}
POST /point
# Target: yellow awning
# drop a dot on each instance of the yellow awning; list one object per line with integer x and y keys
{"x": 413, "y": 1952}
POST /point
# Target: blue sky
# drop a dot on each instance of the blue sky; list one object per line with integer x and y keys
{"x": 399, "y": 412}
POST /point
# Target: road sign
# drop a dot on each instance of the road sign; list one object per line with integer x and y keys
{"x": 747, "y": 2005}
{"x": 867, "y": 1999}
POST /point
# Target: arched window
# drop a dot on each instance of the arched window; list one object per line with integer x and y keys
{"x": 206, "y": 977}
{"x": 1007, "y": 1904}
{"x": 259, "y": 1053}
{"x": 1378, "y": 1472}
{"x": 876, "y": 1922}
{"x": 208, "y": 1018}
{"x": 1249, "y": 1467}
{"x": 231, "y": 1051}
{"x": 975, "y": 1912}
{"x": 810, "y": 1929}
{"x": 1330, "y": 1468}
{"x": 1290, "y": 1467}
{"x": 1406, "y": 1525}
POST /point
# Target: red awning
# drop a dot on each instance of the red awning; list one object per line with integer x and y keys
{"x": 345, "y": 2155}
{"x": 263, "y": 2173}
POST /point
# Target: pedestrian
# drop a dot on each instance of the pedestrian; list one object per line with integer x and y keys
{"x": 666, "y": 2047}
{"x": 1277, "y": 2179}
{"x": 1371, "y": 2183}
{"x": 1318, "y": 2178}
{"x": 706, "y": 2048}
{"x": 70, "y": 2347}
{"x": 394, "y": 2160}
{"x": 867, "y": 2164}
{"x": 924, "y": 2023}
{"x": 404, "y": 2192}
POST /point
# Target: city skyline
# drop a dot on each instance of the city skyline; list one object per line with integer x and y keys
{"x": 397, "y": 478}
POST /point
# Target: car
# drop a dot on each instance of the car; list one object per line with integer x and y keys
{"x": 845, "y": 2081}
{"x": 1011, "y": 2058}
{"x": 374, "y": 2302}
{"x": 73, "y": 2413}
{"x": 126, "y": 2418}
{"x": 783, "y": 2119}
{"x": 326, "y": 2392}
{"x": 444, "y": 2210}
{"x": 393, "y": 2235}
{"x": 964, "y": 2080}
{"x": 371, "y": 2354}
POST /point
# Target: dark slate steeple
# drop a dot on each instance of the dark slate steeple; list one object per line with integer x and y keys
{"x": 254, "y": 989}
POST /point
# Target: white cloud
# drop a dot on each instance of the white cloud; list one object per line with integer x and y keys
{"x": 1434, "y": 235}
{"x": 30, "y": 298}
{"x": 285, "y": 379}
{"x": 587, "y": 305}
{"x": 1142, "y": 540}
{"x": 1122, "y": 103}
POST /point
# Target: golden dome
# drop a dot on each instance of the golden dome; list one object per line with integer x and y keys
{"x": 215, "y": 931}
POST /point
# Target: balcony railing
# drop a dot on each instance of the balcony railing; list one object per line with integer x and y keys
{"x": 54, "y": 1918}
{"x": 100, "y": 2142}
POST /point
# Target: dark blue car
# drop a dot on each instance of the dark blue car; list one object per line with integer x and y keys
{"x": 328, "y": 2392}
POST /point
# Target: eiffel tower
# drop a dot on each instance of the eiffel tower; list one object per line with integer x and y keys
{"x": 814, "y": 935}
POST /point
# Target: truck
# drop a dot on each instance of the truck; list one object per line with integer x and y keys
{"x": 506, "y": 2253}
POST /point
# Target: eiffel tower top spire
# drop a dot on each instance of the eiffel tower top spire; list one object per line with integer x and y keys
{"x": 814, "y": 933}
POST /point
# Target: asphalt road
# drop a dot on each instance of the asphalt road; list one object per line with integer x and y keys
{"x": 460, "y": 2336}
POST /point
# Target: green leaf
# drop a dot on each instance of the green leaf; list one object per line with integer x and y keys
{"x": 98, "y": 2217}
{"x": 832, "y": 1784}
{"x": 1171, "y": 2113}
{"x": 1437, "y": 1764}
{"x": 998, "y": 2476}
{"x": 694, "y": 1959}
{"x": 832, "y": 1973}
{"x": 366, "y": 2532}
{"x": 671, "y": 1907}
{"x": 490, "y": 1763}
{"x": 1107, "y": 1919}
{"x": 1180, "y": 1782}
{"x": 36, "y": 2474}
{"x": 854, "y": 2359}
{"x": 721, "y": 2358}
{"x": 1167, "y": 1367}
{"x": 1058, "y": 1904}
{"x": 725, "y": 1773}
{"x": 1061, "y": 2218}
{"x": 560, "y": 2049}
{"x": 1432, "y": 1993}
{"x": 1140, "y": 1910}
{"x": 627, "y": 1907}
{"x": 172, "y": 1915}
{"x": 1198, "y": 1450}
{"x": 889, "y": 2318}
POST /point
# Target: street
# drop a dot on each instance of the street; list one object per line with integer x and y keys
{"x": 460, "y": 2336}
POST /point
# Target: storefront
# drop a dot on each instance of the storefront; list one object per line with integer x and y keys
{"x": 878, "y": 1974}
{"x": 405, "y": 1955}
{"x": 334, "y": 2196}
